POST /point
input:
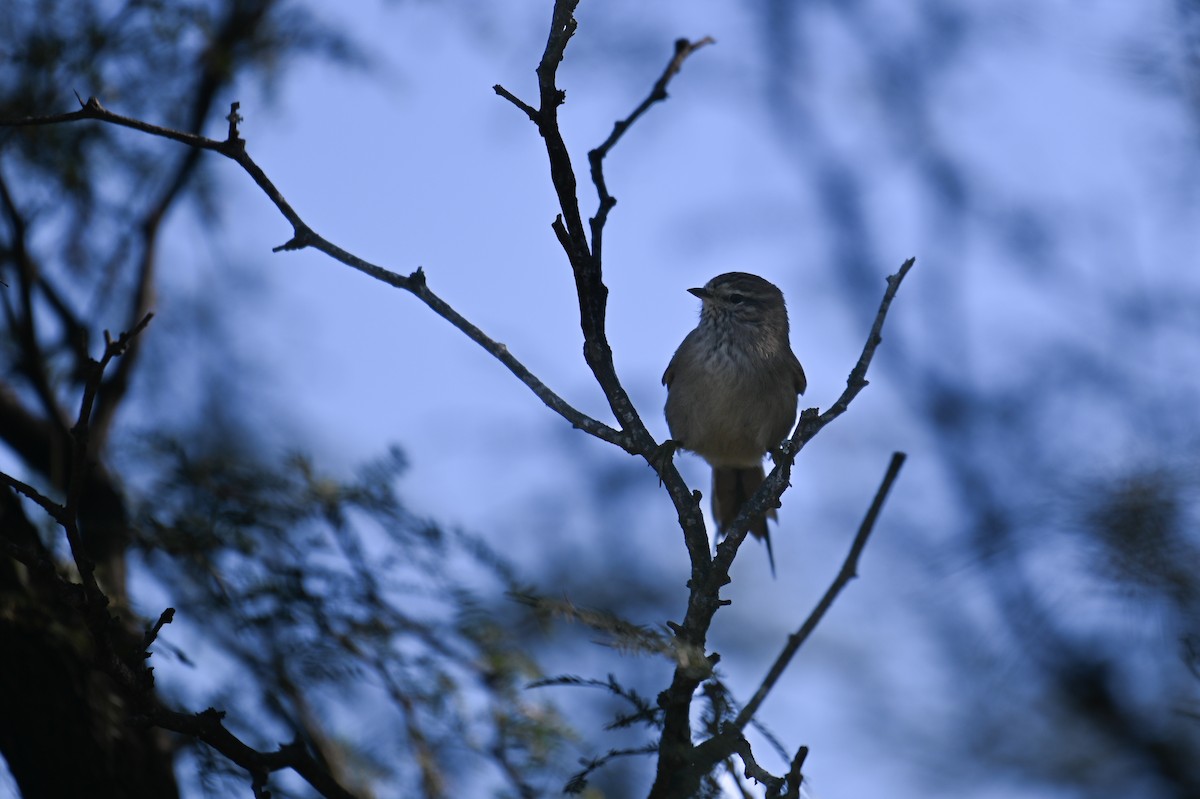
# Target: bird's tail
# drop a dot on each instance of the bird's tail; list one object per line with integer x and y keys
{"x": 732, "y": 488}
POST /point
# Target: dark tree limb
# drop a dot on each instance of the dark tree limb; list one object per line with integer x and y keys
{"x": 683, "y": 49}
{"x": 676, "y": 744}
{"x": 208, "y": 726}
{"x": 585, "y": 255}
{"x": 52, "y": 509}
{"x": 847, "y": 573}
{"x": 795, "y": 777}
{"x": 113, "y": 656}
{"x": 234, "y": 148}
{"x": 752, "y": 770}
{"x": 678, "y": 774}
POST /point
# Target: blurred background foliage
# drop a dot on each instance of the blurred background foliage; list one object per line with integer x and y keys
{"x": 1027, "y": 623}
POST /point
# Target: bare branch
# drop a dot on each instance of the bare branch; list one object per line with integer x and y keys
{"x": 857, "y": 380}
{"x": 683, "y": 49}
{"x": 208, "y": 726}
{"x": 304, "y": 236}
{"x": 166, "y": 617}
{"x": 134, "y": 679}
{"x": 795, "y": 776}
{"x": 592, "y": 295}
{"x": 848, "y": 572}
{"x": 53, "y": 509}
{"x": 34, "y": 362}
{"x": 730, "y": 739}
{"x": 529, "y": 110}
{"x": 754, "y": 771}
{"x": 115, "y": 386}
{"x": 579, "y": 781}
{"x": 584, "y": 256}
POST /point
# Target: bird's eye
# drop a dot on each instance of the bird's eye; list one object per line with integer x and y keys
{"x": 736, "y": 299}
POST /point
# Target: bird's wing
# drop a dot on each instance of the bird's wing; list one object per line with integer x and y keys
{"x": 669, "y": 375}
{"x": 798, "y": 378}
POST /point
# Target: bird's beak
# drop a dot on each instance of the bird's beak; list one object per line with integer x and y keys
{"x": 701, "y": 293}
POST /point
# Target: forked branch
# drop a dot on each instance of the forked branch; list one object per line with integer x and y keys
{"x": 587, "y": 267}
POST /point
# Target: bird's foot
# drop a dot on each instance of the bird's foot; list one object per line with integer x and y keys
{"x": 661, "y": 457}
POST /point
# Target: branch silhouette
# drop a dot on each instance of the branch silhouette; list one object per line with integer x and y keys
{"x": 125, "y": 661}
{"x": 682, "y": 762}
{"x": 847, "y": 573}
{"x": 234, "y": 148}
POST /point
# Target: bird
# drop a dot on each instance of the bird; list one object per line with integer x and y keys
{"x": 733, "y": 389}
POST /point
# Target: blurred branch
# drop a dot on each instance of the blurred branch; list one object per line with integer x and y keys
{"x": 241, "y": 22}
{"x": 33, "y": 361}
{"x": 209, "y": 727}
{"x": 80, "y": 464}
{"x": 114, "y": 657}
{"x": 578, "y": 782}
{"x": 53, "y": 509}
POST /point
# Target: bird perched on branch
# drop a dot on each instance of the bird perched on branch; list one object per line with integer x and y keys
{"x": 732, "y": 389}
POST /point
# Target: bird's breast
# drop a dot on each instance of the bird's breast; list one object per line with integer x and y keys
{"x": 730, "y": 405}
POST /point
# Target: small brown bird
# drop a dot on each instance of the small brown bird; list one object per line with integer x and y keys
{"x": 732, "y": 389}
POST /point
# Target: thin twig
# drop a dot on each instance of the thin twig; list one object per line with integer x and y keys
{"x": 208, "y": 726}
{"x": 683, "y": 49}
{"x": 166, "y": 617}
{"x": 754, "y": 771}
{"x": 848, "y": 572}
{"x": 529, "y": 110}
{"x": 28, "y": 278}
{"x": 53, "y": 509}
{"x": 795, "y": 775}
